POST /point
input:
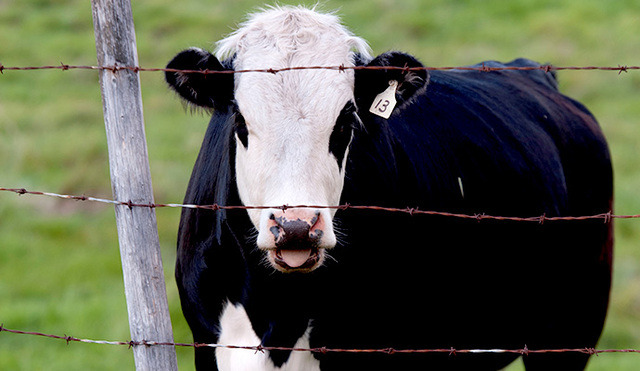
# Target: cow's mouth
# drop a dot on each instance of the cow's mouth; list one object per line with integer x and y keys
{"x": 296, "y": 260}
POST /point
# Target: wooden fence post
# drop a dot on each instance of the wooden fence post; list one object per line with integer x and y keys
{"x": 131, "y": 181}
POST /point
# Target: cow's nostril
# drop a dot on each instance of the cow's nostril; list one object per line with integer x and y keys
{"x": 315, "y": 220}
{"x": 276, "y": 231}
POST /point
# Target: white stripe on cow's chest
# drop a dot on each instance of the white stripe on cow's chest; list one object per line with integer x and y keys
{"x": 236, "y": 329}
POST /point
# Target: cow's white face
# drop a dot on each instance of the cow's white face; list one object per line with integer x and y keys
{"x": 294, "y": 129}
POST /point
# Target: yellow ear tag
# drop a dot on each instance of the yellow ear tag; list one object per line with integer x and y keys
{"x": 385, "y": 102}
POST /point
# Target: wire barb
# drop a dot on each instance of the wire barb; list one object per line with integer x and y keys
{"x": 542, "y": 218}
{"x": 68, "y": 339}
{"x": 592, "y": 351}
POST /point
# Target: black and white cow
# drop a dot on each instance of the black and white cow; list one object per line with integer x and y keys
{"x": 500, "y": 143}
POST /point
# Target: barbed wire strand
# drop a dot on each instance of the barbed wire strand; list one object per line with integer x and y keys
{"x": 482, "y": 67}
{"x": 259, "y": 348}
{"x": 606, "y": 217}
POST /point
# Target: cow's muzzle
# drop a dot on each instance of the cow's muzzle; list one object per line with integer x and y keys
{"x": 296, "y": 239}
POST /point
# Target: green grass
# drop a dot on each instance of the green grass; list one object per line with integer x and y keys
{"x": 59, "y": 260}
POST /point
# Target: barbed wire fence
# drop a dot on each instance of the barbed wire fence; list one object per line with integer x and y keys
{"x": 114, "y": 68}
{"x": 605, "y": 217}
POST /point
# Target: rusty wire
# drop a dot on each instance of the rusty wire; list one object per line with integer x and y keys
{"x": 606, "y": 217}
{"x": 260, "y": 348}
{"x": 482, "y": 67}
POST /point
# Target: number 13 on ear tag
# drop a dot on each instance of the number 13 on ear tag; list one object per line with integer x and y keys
{"x": 385, "y": 102}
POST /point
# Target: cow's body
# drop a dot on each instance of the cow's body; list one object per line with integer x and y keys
{"x": 501, "y": 143}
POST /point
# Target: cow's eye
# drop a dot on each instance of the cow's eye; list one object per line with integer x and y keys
{"x": 241, "y": 130}
{"x": 342, "y": 132}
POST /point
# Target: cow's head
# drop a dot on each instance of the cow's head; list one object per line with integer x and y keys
{"x": 293, "y": 129}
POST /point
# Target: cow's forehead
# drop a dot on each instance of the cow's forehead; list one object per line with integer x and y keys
{"x": 282, "y": 32}
{"x": 292, "y": 37}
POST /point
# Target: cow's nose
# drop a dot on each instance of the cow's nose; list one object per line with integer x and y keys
{"x": 295, "y": 239}
{"x": 296, "y": 229}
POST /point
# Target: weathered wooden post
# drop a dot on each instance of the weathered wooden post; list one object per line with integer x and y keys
{"x": 131, "y": 181}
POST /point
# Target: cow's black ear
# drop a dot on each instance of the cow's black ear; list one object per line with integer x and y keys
{"x": 203, "y": 90}
{"x": 371, "y": 82}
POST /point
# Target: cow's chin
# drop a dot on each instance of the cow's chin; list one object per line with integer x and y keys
{"x": 302, "y": 260}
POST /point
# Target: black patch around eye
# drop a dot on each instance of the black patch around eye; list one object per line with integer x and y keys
{"x": 342, "y": 132}
{"x": 241, "y": 130}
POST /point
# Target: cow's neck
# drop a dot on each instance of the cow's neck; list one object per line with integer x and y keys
{"x": 280, "y": 308}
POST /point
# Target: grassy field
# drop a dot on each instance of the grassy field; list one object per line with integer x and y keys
{"x": 59, "y": 261}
